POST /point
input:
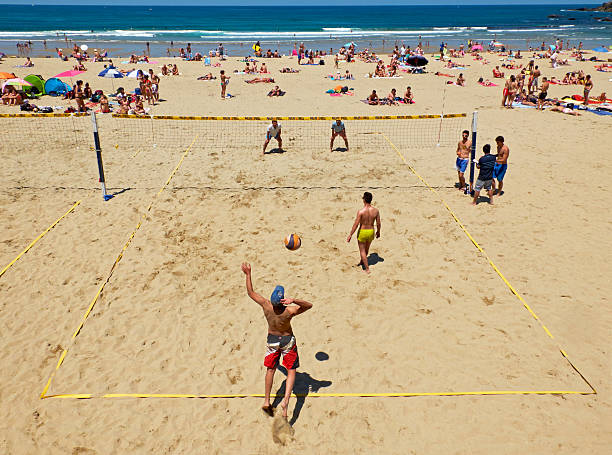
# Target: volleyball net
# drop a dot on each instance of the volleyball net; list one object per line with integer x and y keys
{"x": 45, "y": 132}
{"x": 65, "y": 140}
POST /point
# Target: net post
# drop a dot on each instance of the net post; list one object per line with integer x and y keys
{"x": 105, "y": 195}
{"x": 473, "y": 151}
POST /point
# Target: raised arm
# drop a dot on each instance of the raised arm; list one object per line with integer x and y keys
{"x": 246, "y": 268}
{"x": 302, "y": 304}
{"x": 355, "y": 224}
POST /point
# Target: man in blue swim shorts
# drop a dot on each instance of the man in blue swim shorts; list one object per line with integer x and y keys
{"x": 463, "y": 154}
{"x": 501, "y": 165}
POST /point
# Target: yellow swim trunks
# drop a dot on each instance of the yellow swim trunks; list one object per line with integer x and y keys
{"x": 365, "y": 235}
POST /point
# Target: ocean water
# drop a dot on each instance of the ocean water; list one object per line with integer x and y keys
{"x": 129, "y": 28}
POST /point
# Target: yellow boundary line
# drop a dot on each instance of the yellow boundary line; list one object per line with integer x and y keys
{"x": 112, "y": 270}
{"x": 8, "y": 266}
{"x": 321, "y": 395}
{"x": 337, "y": 395}
{"x": 365, "y": 117}
{"x": 495, "y": 268}
{"x": 58, "y": 114}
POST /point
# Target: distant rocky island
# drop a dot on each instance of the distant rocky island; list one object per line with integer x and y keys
{"x": 606, "y": 8}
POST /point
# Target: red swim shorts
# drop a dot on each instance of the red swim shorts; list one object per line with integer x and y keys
{"x": 282, "y": 345}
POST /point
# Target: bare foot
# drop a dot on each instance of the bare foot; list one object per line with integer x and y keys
{"x": 269, "y": 410}
{"x": 473, "y": 203}
{"x": 367, "y": 271}
{"x": 284, "y": 405}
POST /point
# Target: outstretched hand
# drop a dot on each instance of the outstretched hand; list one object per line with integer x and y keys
{"x": 286, "y": 302}
{"x": 246, "y": 268}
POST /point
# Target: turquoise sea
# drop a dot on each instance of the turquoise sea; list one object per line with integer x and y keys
{"x": 129, "y": 28}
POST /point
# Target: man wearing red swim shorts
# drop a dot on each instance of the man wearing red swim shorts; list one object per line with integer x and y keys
{"x": 281, "y": 342}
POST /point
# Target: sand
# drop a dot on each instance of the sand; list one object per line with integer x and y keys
{"x": 433, "y": 316}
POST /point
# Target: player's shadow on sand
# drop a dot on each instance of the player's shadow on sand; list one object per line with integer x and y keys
{"x": 304, "y": 384}
{"x": 273, "y": 151}
{"x": 374, "y": 259}
{"x": 482, "y": 199}
{"x": 340, "y": 149}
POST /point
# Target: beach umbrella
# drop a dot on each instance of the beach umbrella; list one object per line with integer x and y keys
{"x": 7, "y": 75}
{"x": 416, "y": 60}
{"x": 133, "y": 74}
{"x": 70, "y": 73}
{"x": 17, "y": 82}
{"x": 600, "y": 49}
{"x": 497, "y": 44}
{"x": 110, "y": 72}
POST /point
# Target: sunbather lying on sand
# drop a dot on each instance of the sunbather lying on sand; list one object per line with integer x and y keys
{"x": 260, "y": 79}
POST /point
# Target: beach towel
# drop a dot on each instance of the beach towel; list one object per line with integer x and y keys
{"x": 280, "y": 94}
{"x": 491, "y": 84}
{"x": 383, "y": 77}
{"x": 444, "y": 75}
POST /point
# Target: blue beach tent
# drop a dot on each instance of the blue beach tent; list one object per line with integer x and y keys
{"x": 56, "y": 87}
{"x": 600, "y": 49}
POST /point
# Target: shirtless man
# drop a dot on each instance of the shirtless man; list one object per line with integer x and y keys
{"x": 338, "y": 129}
{"x": 501, "y": 165}
{"x": 278, "y": 311}
{"x": 273, "y": 132}
{"x": 464, "y": 146}
{"x": 365, "y": 220}
{"x": 224, "y": 82}
{"x": 543, "y": 94}
{"x": 373, "y": 98}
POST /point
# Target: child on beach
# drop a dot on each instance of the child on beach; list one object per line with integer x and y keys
{"x": 224, "y": 82}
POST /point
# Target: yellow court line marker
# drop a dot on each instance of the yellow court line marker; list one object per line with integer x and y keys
{"x": 495, "y": 268}
{"x": 112, "y": 270}
{"x": 323, "y": 395}
{"x": 38, "y": 238}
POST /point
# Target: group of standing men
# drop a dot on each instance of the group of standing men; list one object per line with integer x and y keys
{"x": 492, "y": 167}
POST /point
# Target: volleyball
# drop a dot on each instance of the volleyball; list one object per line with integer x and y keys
{"x": 293, "y": 242}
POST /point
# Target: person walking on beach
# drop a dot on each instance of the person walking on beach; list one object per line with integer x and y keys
{"x": 485, "y": 176}
{"x": 273, "y": 132}
{"x": 365, "y": 221}
{"x": 464, "y": 146}
{"x": 224, "y": 82}
{"x": 278, "y": 311}
{"x": 501, "y": 165}
{"x": 338, "y": 129}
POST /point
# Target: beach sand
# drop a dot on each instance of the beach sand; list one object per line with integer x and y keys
{"x": 433, "y": 316}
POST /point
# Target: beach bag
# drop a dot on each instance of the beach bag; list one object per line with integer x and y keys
{"x": 321, "y": 62}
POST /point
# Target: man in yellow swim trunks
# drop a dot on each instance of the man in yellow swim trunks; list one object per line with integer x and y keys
{"x": 365, "y": 220}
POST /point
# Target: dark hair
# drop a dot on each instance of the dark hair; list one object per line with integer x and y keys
{"x": 367, "y": 197}
{"x": 499, "y": 139}
{"x": 465, "y": 131}
{"x": 486, "y": 148}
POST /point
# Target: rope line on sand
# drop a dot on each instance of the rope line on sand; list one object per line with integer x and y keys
{"x": 336, "y": 395}
{"x": 492, "y": 264}
{"x": 112, "y": 270}
{"x": 87, "y": 396}
{"x": 40, "y": 236}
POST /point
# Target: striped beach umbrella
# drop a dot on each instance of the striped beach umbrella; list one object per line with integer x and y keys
{"x": 110, "y": 72}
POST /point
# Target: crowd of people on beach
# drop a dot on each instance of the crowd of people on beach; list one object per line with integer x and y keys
{"x": 523, "y": 87}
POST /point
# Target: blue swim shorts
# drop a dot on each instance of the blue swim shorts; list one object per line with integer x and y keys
{"x": 461, "y": 164}
{"x": 499, "y": 171}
